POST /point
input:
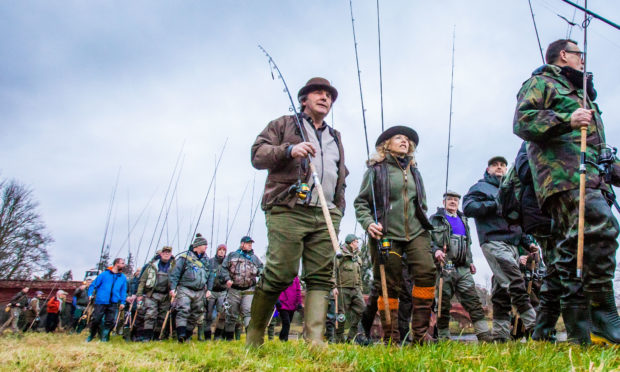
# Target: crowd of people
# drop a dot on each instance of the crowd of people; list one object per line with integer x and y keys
{"x": 526, "y": 219}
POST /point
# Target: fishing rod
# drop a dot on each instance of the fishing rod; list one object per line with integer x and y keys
{"x": 588, "y": 12}
{"x": 165, "y": 223}
{"x": 380, "y": 247}
{"x": 236, "y": 212}
{"x": 128, "y": 226}
{"x": 107, "y": 224}
{"x": 315, "y": 176}
{"x": 176, "y": 197}
{"x": 536, "y": 29}
{"x": 146, "y": 223}
{"x": 450, "y": 116}
{"x": 135, "y": 224}
{"x": 213, "y": 211}
{"x": 251, "y": 228}
{"x": 211, "y": 184}
{"x": 227, "y": 217}
{"x": 582, "y": 162}
{"x": 163, "y": 204}
{"x": 380, "y": 66}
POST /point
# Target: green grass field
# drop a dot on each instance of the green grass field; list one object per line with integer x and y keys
{"x": 61, "y": 352}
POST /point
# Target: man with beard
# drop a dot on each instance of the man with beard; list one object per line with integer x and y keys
{"x": 499, "y": 241}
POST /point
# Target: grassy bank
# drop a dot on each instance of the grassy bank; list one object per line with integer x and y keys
{"x": 41, "y": 352}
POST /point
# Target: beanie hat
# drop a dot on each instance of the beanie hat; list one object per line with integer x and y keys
{"x": 350, "y": 238}
{"x": 199, "y": 240}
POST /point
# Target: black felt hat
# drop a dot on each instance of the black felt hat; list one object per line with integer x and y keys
{"x": 398, "y": 129}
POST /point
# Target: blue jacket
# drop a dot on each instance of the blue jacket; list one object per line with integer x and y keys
{"x": 111, "y": 288}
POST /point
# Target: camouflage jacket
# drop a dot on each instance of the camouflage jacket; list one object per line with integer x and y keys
{"x": 242, "y": 268}
{"x": 545, "y": 104}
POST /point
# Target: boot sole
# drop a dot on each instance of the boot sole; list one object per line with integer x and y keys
{"x": 602, "y": 341}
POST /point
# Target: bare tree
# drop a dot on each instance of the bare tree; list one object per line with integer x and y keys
{"x": 68, "y": 275}
{"x": 23, "y": 236}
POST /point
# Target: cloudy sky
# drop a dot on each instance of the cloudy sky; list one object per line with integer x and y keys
{"x": 88, "y": 88}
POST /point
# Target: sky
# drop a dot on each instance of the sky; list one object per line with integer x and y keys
{"x": 89, "y": 90}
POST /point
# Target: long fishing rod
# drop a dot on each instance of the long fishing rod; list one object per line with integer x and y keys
{"x": 380, "y": 66}
{"x": 587, "y": 12}
{"x": 536, "y": 29}
{"x": 232, "y": 224}
{"x": 252, "y": 200}
{"x": 163, "y": 204}
{"x": 135, "y": 224}
{"x": 128, "y": 225}
{"x": 211, "y": 184}
{"x": 251, "y": 228}
{"x": 315, "y": 176}
{"x": 165, "y": 223}
{"x": 450, "y": 116}
{"x": 146, "y": 223}
{"x": 107, "y": 224}
{"x": 582, "y": 163}
{"x": 384, "y": 292}
{"x": 213, "y": 211}
{"x": 176, "y": 197}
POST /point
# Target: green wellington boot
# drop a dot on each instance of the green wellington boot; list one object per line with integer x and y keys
{"x": 262, "y": 308}
{"x": 314, "y": 316}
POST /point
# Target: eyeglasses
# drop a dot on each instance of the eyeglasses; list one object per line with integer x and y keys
{"x": 580, "y": 54}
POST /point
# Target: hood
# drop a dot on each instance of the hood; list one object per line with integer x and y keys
{"x": 493, "y": 180}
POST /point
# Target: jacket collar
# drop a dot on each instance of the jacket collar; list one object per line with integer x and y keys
{"x": 493, "y": 180}
{"x": 554, "y": 72}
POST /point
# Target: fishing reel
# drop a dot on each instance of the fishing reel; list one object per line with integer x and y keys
{"x": 341, "y": 318}
{"x": 386, "y": 245}
{"x": 605, "y": 161}
{"x": 226, "y": 305}
{"x": 449, "y": 266}
{"x": 301, "y": 189}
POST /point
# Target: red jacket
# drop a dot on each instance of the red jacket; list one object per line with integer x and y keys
{"x": 53, "y": 306}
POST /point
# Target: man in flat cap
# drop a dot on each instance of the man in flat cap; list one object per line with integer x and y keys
{"x": 296, "y": 227}
{"x": 499, "y": 241}
{"x": 451, "y": 247}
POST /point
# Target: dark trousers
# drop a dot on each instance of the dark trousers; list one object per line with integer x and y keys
{"x": 51, "y": 322}
{"x": 600, "y": 244}
{"x": 286, "y": 316}
{"x": 101, "y": 311}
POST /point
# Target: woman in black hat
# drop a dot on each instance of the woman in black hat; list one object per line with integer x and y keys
{"x": 402, "y": 227}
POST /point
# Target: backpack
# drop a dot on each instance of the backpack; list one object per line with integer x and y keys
{"x": 509, "y": 196}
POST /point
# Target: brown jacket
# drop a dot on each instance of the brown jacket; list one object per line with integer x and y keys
{"x": 269, "y": 151}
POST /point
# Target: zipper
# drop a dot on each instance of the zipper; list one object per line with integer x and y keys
{"x": 406, "y": 199}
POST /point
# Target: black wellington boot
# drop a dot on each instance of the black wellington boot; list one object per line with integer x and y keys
{"x": 544, "y": 330}
{"x": 605, "y": 320}
{"x": 577, "y": 321}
